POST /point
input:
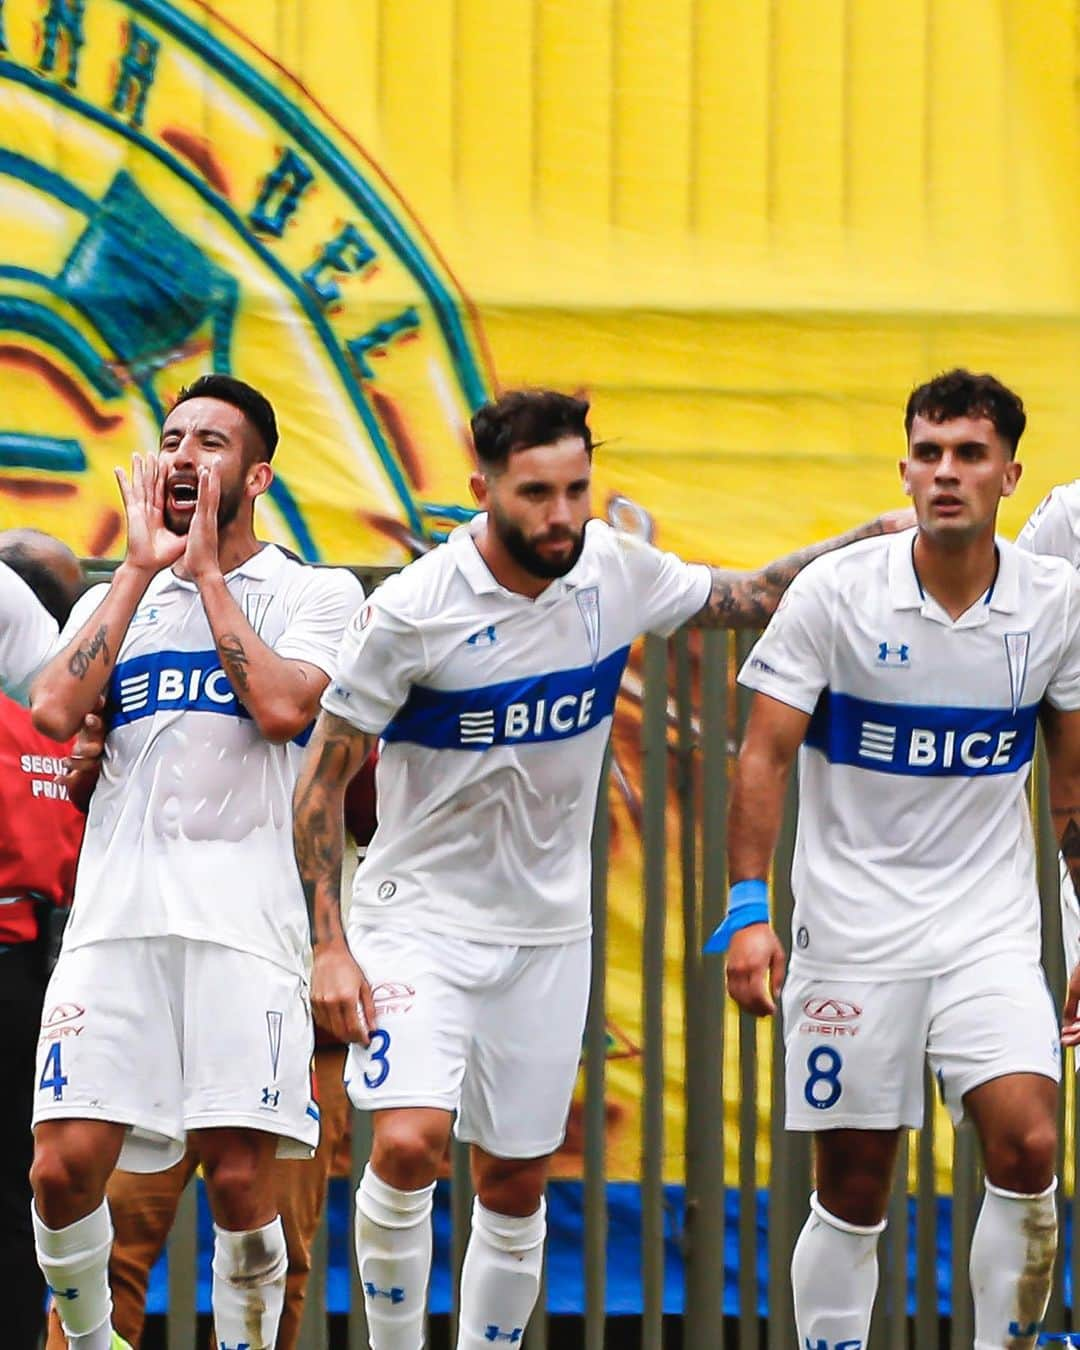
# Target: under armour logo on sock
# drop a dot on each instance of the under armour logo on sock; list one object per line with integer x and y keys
{"x": 497, "y": 1334}
{"x": 244, "y": 1345}
{"x": 395, "y": 1295}
{"x": 834, "y": 1345}
{"x": 63, "y": 1293}
{"x": 1015, "y": 1329}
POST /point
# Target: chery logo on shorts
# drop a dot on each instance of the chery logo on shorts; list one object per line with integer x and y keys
{"x": 391, "y": 996}
{"x": 830, "y": 1017}
{"x": 58, "y": 1022}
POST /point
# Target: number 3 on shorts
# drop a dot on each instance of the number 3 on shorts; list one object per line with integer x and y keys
{"x": 380, "y": 1043}
{"x": 823, "y": 1084}
{"x": 57, "y": 1081}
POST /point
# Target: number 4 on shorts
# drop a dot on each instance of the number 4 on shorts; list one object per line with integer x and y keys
{"x": 52, "y": 1064}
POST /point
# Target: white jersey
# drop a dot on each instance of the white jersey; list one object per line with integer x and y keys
{"x": 494, "y": 711}
{"x": 190, "y": 826}
{"x": 914, "y": 851}
{"x": 27, "y": 634}
{"x": 1054, "y": 526}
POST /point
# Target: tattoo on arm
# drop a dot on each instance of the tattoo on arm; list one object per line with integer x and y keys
{"x": 82, "y": 658}
{"x": 749, "y": 599}
{"x": 319, "y": 831}
{"x": 235, "y": 659}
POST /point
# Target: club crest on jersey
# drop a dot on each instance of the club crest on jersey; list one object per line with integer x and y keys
{"x": 256, "y": 603}
{"x": 588, "y": 602}
{"x": 1017, "y": 647}
{"x": 897, "y": 655}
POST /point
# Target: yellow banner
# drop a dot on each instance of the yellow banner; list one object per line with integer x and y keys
{"x": 744, "y": 230}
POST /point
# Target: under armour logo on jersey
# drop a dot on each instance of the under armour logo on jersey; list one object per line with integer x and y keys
{"x": 887, "y": 655}
{"x": 1017, "y": 646}
{"x": 588, "y": 602}
{"x": 255, "y": 606}
{"x": 484, "y": 638}
{"x": 271, "y": 1097}
{"x": 395, "y": 1294}
{"x": 494, "y": 1333}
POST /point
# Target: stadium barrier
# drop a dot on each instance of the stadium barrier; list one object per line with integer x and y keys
{"x": 692, "y": 713}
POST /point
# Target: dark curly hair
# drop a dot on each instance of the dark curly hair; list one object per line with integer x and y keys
{"x": 522, "y": 418}
{"x": 959, "y": 393}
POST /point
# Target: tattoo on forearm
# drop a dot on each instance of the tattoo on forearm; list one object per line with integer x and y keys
{"x": 318, "y": 833}
{"x": 749, "y": 599}
{"x": 235, "y": 659}
{"x": 82, "y": 658}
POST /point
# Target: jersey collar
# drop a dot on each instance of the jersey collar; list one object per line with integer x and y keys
{"x": 474, "y": 569}
{"x": 261, "y": 566}
{"x": 905, "y": 592}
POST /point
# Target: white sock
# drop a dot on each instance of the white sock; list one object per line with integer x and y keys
{"x": 75, "y": 1263}
{"x": 393, "y": 1256}
{"x": 1012, "y": 1265}
{"x": 248, "y": 1289}
{"x": 834, "y": 1277}
{"x": 500, "y": 1277}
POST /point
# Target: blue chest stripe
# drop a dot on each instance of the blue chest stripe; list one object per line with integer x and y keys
{"x": 917, "y": 740}
{"x": 554, "y": 706}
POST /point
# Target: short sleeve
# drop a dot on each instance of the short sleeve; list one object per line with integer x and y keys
{"x": 667, "y": 590}
{"x": 320, "y": 612}
{"x": 381, "y": 657}
{"x": 791, "y": 660}
{"x": 81, "y": 611}
{"x": 1050, "y": 528}
{"x": 1063, "y": 691}
{"x": 27, "y": 634}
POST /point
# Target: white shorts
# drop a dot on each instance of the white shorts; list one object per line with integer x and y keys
{"x": 167, "y": 1035}
{"x": 855, "y": 1050}
{"x": 493, "y": 1033}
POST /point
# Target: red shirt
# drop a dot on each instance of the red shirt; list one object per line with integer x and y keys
{"x": 40, "y": 829}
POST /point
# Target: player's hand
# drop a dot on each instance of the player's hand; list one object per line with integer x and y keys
{"x": 755, "y": 969}
{"x": 902, "y": 518}
{"x": 1070, "y": 1021}
{"x": 201, "y": 552}
{"x": 341, "y": 999}
{"x": 151, "y": 545}
{"x": 84, "y": 758}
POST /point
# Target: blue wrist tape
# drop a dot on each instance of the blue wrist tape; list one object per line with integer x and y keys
{"x": 748, "y": 903}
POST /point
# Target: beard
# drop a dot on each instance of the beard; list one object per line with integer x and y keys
{"x": 525, "y": 553}
{"x": 228, "y": 509}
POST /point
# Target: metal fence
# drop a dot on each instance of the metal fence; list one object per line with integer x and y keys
{"x": 691, "y": 715}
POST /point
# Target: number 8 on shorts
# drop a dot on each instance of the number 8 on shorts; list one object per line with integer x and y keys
{"x": 823, "y": 1082}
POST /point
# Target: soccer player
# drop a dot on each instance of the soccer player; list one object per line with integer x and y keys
{"x": 178, "y": 1009}
{"x": 1054, "y": 528}
{"x": 912, "y": 672}
{"x": 489, "y": 668}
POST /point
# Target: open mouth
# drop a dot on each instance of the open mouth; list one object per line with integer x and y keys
{"x": 182, "y": 495}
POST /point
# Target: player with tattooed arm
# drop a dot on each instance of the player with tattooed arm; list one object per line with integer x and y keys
{"x": 489, "y": 668}
{"x": 183, "y": 974}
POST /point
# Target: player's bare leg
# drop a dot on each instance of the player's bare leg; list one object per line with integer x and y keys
{"x": 73, "y": 1160}
{"x": 500, "y": 1278}
{"x": 250, "y": 1257}
{"x": 393, "y": 1222}
{"x": 1015, "y": 1238}
{"x": 834, "y": 1269}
